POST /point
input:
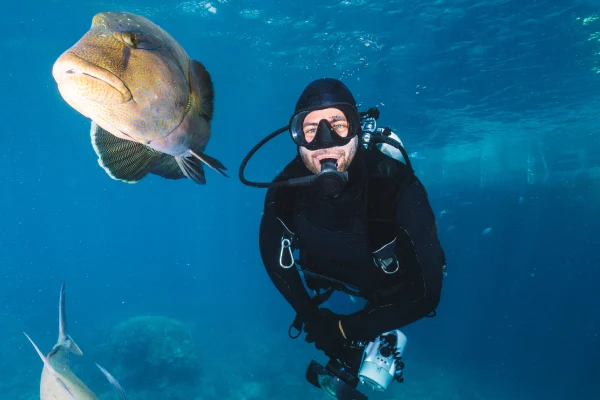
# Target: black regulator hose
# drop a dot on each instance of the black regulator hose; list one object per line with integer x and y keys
{"x": 251, "y": 153}
{"x": 303, "y": 181}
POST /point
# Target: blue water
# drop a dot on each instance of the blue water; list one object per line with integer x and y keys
{"x": 500, "y": 98}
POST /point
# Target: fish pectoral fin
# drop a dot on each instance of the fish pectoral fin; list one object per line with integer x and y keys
{"x": 67, "y": 344}
{"x": 114, "y": 383}
{"x": 192, "y": 169}
{"x": 73, "y": 348}
{"x": 201, "y": 83}
{"x": 47, "y": 364}
{"x": 122, "y": 159}
{"x": 213, "y": 163}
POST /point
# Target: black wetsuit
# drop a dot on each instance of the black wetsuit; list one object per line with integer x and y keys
{"x": 335, "y": 236}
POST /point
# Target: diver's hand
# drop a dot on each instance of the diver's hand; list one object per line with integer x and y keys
{"x": 325, "y": 330}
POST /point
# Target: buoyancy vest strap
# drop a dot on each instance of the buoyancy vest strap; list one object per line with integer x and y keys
{"x": 299, "y": 321}
{"x": 387, "y": 181}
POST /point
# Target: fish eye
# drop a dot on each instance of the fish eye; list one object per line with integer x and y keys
{"x": 130, "y": 39}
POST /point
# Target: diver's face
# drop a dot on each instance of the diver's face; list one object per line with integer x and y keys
{"x": 342, "y": 154}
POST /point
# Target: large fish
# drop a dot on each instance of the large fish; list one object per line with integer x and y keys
{"x": 58, "y": 382}
{"x": 151, "y": 105}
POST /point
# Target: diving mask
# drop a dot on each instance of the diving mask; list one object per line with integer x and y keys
{"x": 324, "y": 134}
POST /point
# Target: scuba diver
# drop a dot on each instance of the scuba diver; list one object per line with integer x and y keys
{"x": 350, "y": 240}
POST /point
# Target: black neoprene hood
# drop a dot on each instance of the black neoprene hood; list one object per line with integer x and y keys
{"x": 323, "y": 93}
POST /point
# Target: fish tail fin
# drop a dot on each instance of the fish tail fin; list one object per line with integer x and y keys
{"x": 64, "y": 340}
{"x": 122, "y": 159}
{"x": 213, "y": 163}
{"x": 51, "y": 368}
{"x": 114, "y": 383}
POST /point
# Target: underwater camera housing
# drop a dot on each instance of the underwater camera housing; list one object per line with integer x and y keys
{"x": 382, "y": 360}
{"x": 334, "y": 380}
{"x": 381, "y": 363}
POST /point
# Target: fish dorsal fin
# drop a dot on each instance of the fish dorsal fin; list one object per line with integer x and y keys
{"x": 201, "y": 84}
{"x": 51, "y": 369}
{"x": 122, "y": 159}
{"x": 64, "y": 340}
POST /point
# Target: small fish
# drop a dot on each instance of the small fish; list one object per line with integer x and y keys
{"x": 417, "y": 155}
{"x": 151, "y": 105}
{"x": 486, "y": 231}
{"x": 443, "y": 212}
{"x": 450, "y": 228}
{"x": 58, "y": 382}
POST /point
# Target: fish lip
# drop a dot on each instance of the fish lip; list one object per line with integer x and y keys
{"x": 71, "y": 64}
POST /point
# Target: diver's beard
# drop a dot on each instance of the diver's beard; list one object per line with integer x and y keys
{"x": 343, "y": 154}
{"x": 312, "y": 162}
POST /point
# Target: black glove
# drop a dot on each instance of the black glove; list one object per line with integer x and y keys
{"x": 323, "y": 329}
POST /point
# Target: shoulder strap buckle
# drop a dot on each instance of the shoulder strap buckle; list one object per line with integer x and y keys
{"x": 385, "y": 258}
{"x": 388, "y": 265}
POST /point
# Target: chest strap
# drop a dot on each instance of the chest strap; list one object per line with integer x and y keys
{"x": 386, "y": 181}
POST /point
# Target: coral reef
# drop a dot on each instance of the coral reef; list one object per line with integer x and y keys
{"x": 155, "y": 349}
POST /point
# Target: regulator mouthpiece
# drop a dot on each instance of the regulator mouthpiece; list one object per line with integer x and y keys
{"x": 330, "y": 181}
